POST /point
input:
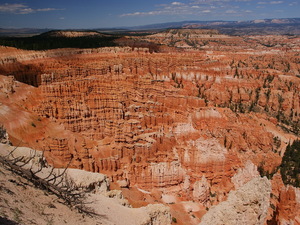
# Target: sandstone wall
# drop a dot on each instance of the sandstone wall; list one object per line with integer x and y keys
{"x": 195, "y": 125}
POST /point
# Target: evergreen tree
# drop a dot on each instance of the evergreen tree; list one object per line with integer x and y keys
{"x": 290, "y": 166}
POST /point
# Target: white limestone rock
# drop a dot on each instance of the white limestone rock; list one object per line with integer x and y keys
{"x": 245, "y": 174}
{"x": 201, "y": 190}
{"x": 247, "y": 205}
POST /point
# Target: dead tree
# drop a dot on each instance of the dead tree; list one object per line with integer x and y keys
{"x": 57, "y": 184}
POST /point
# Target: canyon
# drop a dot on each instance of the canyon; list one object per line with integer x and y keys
{"x": 193, "y": 124}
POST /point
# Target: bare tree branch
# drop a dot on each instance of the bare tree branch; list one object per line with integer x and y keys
{"x": 65, "y": 188}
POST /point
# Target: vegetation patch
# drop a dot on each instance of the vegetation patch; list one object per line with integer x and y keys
{"x": 290, "y": 166}
{"x": 44, "y": 42}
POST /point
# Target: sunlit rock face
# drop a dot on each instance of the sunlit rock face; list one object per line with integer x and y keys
{"x": 247, "y": 205}
{"x": 192, "y": 126}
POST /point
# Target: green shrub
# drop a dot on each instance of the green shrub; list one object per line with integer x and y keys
{"x": 174, "y": 220}
{"x": 290, "y": 165}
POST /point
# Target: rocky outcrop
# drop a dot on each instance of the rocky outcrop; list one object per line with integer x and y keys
{"x": 182, "y": 125}
{"x": 288, "y": 209}
{"x": 22, "y": 64}
{"x": 73, "y": 34}
{"x": 11, "y": 55}
{"x": 98, "y": 198}
{"x": 7, "y": 85}
{"x": 201, "y": 190}
{"x": 188, "y": 38}
{"x": 244, "y": 175}
{"x": 158, "y": 215}
{"x": 247, "y": 205}
{"x": 150, "y": 120}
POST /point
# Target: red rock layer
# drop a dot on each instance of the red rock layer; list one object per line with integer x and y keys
{"x": 180, "y": 122}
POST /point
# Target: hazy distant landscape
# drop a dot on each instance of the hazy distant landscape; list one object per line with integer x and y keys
{"x": 30, "y": 40}
{"x": 254, "y": 27}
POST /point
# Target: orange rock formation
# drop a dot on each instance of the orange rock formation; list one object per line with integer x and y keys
{"x": 178, "y": 126}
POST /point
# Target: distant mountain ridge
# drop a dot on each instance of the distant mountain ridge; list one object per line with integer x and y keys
{"x": 183, "y": 24}
{"x": 252, "y": 27}
{"x": 21, "y": 31}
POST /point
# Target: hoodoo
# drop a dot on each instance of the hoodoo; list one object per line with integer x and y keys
{"x": 200, "y": 125}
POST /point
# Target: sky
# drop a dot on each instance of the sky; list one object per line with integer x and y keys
{"x": 89, "y": 14}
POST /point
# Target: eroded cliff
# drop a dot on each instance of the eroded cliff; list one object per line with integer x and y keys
{"x": 177, "y": 126}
